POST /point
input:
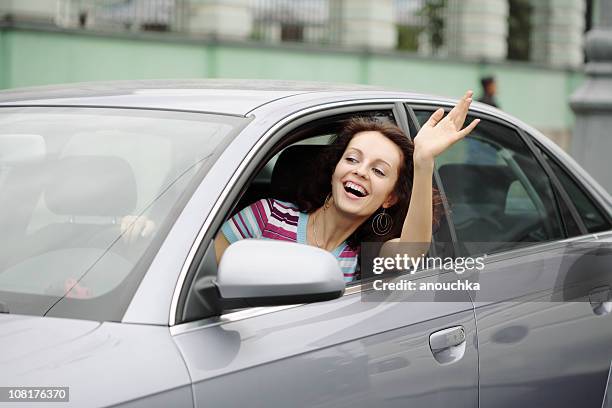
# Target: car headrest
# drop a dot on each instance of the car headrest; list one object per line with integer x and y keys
{"x": 294, "y": 167}
{"x": 91, "y": 185}
{"x": 472, "y": 183}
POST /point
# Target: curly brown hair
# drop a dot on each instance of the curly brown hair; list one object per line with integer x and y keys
{"x": 312, "y": 195}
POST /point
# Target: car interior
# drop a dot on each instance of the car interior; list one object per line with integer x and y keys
{"x": 68, "y": 192}
{"x": 485, "y": 214}
{"x": 65, "y": 191}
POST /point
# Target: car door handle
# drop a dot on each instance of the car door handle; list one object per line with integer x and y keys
{"x": 448, "y": 345}
{"x": 601, "y": 300}
{"x": 446, "y": 338}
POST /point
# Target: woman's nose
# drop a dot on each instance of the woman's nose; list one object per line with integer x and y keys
{"x": 360, "y": 171}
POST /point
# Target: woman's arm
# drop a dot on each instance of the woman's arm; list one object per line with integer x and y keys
{"x": 417, "y": 226}
{"x": 435, "y": 136}
{"x": 235, "y": 228}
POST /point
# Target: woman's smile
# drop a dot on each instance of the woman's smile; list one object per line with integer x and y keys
{"x": 355, "y": 190}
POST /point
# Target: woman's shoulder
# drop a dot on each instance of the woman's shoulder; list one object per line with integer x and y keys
{"x": 271, "y": 209}
{"x": 276, "y": 215}
{"x": 349, "y": 252}
{"x": 273, "y": 203}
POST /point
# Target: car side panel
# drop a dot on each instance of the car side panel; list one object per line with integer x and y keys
{"x": 535, "y": 348}
{"x": 102, "y": 364}
{"x": 345, "y": 352}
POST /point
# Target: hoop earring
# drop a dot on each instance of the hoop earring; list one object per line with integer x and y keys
{"x": 382, "y": 223}
{"x": 327, "y": 202}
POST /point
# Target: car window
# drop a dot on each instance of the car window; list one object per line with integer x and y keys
{"x": 497, "y": 192}
{"x": 591, "y": 216}
{"x": 278, "y": 175}
{"x": 291, "y": 163}
{"x": 68, "y": 176}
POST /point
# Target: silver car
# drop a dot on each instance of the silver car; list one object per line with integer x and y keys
{"x": 101, "y": 317}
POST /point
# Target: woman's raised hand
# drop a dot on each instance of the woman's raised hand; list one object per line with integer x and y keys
{"x": 440, "y": 132}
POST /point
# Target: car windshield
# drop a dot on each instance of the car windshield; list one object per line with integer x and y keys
{"x": 72, "y": 183}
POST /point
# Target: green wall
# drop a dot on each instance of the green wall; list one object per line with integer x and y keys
{"x": 33, "y": 56}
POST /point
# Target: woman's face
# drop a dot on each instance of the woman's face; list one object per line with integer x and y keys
{"x": 365, "y": 176}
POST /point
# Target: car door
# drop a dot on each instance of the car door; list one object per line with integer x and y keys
{"x": 544, "y": 330}
{"x": 350, "y": 351}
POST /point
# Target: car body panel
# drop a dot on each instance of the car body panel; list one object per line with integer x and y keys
{"x": 236, "y": 102}
{"x": 213, "y": 95}
{"x": 346, "y": 352}
{"x": 536, "y": 346}
{"x": 102, "y": 363}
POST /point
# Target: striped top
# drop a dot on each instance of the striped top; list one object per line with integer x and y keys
{"x": 274, "y": 219}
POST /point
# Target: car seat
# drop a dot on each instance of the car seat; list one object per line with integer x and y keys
{"x": 84, "y": 189}
{"x": 294, "y": 168}
{"x": 477, "y": 196}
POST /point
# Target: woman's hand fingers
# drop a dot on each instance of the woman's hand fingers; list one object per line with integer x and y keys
{"x": 148, "y": 229}
{"x": 440, "y": 132}
{"x": 134, "y": 227}
{"x": 128, "y": 227}
{"x": 467, "y": 130}
{"x": 459, "y": 112}
{"x": 126, "y": 224}
{"x": 435, "y": 118}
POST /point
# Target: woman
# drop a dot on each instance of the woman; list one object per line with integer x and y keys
{"x": 376, "y": 185}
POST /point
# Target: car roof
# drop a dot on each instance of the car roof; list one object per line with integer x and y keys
{"x": 237, "y": 97}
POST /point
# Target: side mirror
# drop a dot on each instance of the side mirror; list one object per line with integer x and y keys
{"x": 270, "y": 273}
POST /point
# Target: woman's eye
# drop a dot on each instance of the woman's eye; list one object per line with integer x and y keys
{"x": 351, "y": 160}
{"x": 379, "y": 172}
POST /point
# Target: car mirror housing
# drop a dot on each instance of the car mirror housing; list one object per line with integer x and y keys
{"x": 271, "y": 273}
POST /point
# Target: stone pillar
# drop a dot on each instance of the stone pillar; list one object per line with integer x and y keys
{"x": 477, "y": 29}
{"x": 364, "y": 23}
{"x": 557, "y": 32}
{"x": 592, "y": 102}
{"x": 231, "y": 19}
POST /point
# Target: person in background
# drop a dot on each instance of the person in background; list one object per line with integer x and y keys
{"x": 489, "y": 90}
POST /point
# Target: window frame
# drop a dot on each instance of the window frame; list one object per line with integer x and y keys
{"x": 558, "y": 187}
{"x": 414, "y": 126}
{"x": 581, "y": 186}
{"x": 531, "y": 146}
{"x": 271, "y": 142}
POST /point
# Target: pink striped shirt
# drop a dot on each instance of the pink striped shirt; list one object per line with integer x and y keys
{"x": 273, "y": 219}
